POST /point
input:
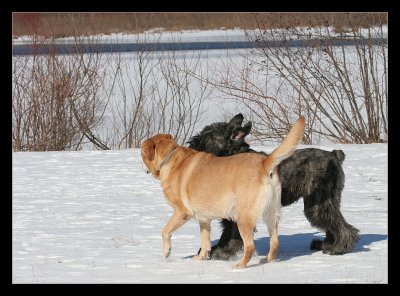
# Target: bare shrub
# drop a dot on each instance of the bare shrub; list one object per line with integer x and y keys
{"x": 106, "y": 101}
{"x": 186, "y": 92}
{"x": 56, "y": 101}
{"x": 116, "y": 100}
{"x": 154, "y": 93}
{"x": 342, "y": 90}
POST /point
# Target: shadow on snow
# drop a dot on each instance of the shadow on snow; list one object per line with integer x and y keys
{"x": 294, "y": 245}
{"x": 299, "y": 244}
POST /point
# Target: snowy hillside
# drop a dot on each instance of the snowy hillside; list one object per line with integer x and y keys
{"x": 96, "y": 217}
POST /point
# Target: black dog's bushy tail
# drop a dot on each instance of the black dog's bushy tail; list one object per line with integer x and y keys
{"x": 339, "y": 154}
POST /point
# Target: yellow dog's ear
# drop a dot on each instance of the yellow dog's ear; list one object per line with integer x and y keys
{"x": 148, "y": 149}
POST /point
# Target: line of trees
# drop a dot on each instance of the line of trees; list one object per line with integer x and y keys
{"x": 86, "y": 23}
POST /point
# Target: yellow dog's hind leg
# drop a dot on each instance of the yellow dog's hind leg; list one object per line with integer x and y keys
{"x": 246, "y": 226}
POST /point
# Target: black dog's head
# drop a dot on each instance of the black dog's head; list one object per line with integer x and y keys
{"x": 222, "y": 138}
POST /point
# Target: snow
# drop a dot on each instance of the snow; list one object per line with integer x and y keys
{"x": 96, "y": 217}
{"x": 161, "y": 35}
{"x": 157, "y": 35}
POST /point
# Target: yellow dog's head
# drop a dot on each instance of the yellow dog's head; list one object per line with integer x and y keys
{"x": 156, "y": 151}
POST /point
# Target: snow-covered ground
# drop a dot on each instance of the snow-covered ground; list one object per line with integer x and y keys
{"x": 96, "y": 217}
{"x": 161, "y": 35}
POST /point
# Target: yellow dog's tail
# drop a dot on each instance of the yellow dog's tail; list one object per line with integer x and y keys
{"x": 287, "y": 147}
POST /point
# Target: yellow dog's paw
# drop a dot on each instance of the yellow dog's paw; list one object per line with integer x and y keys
{"x": 166, "y": 253}
{"x": 200, "y": 257}
{"x": 267, "y": 259}
{"x": 239, "y": 266}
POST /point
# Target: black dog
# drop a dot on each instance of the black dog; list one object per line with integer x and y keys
{"x": 314, "y": 174}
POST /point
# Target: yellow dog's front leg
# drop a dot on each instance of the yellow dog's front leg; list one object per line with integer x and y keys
{"x": 205, "y": 230}
{"x": 177, "y": 220}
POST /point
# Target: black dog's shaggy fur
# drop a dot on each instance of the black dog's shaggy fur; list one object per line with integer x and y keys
{"x": 314, "y": 174}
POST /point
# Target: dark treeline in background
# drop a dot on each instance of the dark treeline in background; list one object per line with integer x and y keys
{"x": 78, "y": 24}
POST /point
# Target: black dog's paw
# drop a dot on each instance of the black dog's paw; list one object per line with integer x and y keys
{"x": 333, "y": 251}
{"x": 316, "y": 244}
{"x": 330, "y": 251}
{"x": 327, "y": 252}
{"x": 327, "y": 249}
{"x": 231, "y": 251}
{"x": 221, "y": 254}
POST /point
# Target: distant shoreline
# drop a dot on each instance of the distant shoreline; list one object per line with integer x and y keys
{"x": 29, "y": 49}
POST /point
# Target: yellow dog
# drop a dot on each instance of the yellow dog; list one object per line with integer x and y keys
{"x": 199, "y": 185}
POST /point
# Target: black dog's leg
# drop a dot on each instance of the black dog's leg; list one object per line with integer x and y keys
{"x": 316, "y": 244}
{"x": 287, "y": 197}
{"x": 344, "y": 235}
{"x": 323, "y": 212}
{"x": 227, "y": 232}
{"x": 229, "y": 244}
